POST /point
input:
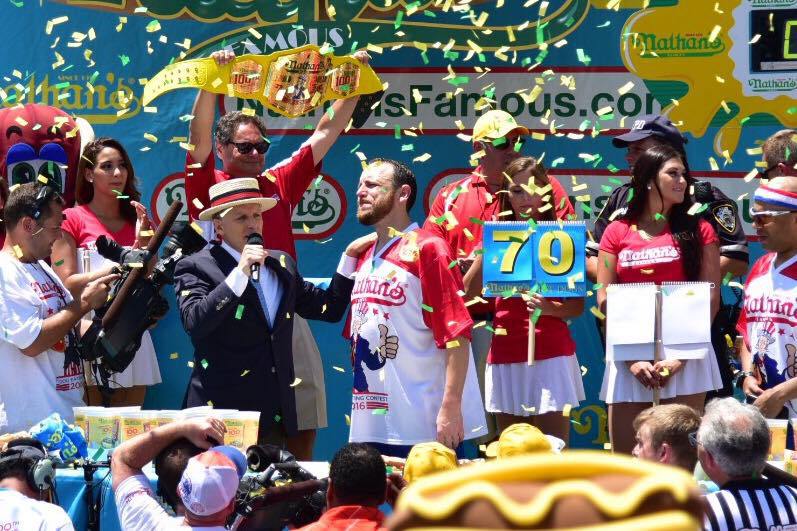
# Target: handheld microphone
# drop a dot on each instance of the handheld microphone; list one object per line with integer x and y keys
{"x": 255, "y": 239}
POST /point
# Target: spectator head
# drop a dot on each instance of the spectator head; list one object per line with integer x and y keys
{"x": 428, "y": 458}
{"x": 386, "y": 187}
{"x": 169, "y": 467}
{"x": 499, "y": 137}
{"x": 209, "y": 483}
{"x": 733, "y": 441}
{"x": 105, "y": 168}
{"x": 648, "y": 131}
{"x": 357, "y": 477}
{"x": 519, "y": 439}
{"x": 662, "y": 435}
{"x": 523, "y": 177}
{"x": 33, "y": 215}
{"x": 780, "y": 154}
{"x": 241, "y": 144}
{"x": 25, "y": 468}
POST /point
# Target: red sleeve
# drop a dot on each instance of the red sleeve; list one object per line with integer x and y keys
{"x": 73, "y": 224}
{"x": 294, "y": 174}
{"x": 437, "y": 210}
{"x": 561, "y": 201}
{"x": 198, "y": 181}
{"x": 612, "y": 238}
{"x": 707, "y": 233}
{"x": 449, "y": 317}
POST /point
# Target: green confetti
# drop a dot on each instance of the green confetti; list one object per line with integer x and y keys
{"x": 399, "y": 18}
{"x": 308, "y": 127}
{"x": 429, "y": 14}
{"x": 397, "y": 132}
{"x": 353, "y": 47}
{"x": 59, "y": 263}
{"x": 615, "y": 181}
{"x": 490, "y": 329}
{"x": 612, "y": 168}
{"x": 330, "y": 112}
{"x": 630, "y": 196}
{"x": 453, "y": 264}
{"x": 239, "y": 311}
{"x": 379, "y": 411}
{"x": 407, "y": 147}
{"x": 727, "y": 278}
{"x": 597, "y": 286}
{"x": 498, "y": 142}
{"x": 606, "y": 188}
{"x": 659, "y": 216}
{"x": 122, "y": 197}
{"x": 427, "y": 308}
{"x": 277, "y": 418}
{"x": 791, "y": 110}
{"x": 586, "y": 208}
{"x": 317, "y": 181}
{"x": 476, "y": 221}
{"x": 355, "y": 148}
{"x": 459, "y": 80}
{"x": 536, "y": 315}
{"x": 17, "y": 4}
{"x": 204, "y": 364}
{"x": 125, "y": 59}
{"x": 423, "y": 53}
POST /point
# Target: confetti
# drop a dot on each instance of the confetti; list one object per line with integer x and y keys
{"x": 204, "y": 364}
{"x": 59, "y": 263}
{"x": 597, "y": 313}
{"x": 18, "y": 251}
{"x": 427, "y": 308}
{"x": 348, "y": 420}
{"x": 566, "y": 410}
{"x": 379, "y": 411}
{"x": 296, "y": 382}
{"x": 246, "y": 371}
{"x": 339, "y": 369}
{"x": 239, "y": 311}
{"x": 452, "y": 344}
{"x": 174, "y": 356}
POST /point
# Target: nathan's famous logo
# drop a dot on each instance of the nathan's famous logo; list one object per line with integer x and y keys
{"x": 98, "y": 99}
{"x": 321, "y": 211}
{"x": 169, "y": 190}
{"x": 679, "y": 45}
{"x": 786, "y": 84}
{"x": 725, "y": 63}
{"x": 421, "y": 21}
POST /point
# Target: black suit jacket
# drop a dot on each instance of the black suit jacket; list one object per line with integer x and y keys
{"x": 240, "y": 362}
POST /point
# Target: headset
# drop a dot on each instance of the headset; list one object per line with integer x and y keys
{"x": 40, "y": 474}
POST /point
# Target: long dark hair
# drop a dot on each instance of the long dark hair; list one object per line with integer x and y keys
{"x": 540, "y": 175}
{"x": 84, "y": 190}
{"x": 684, "y": 227}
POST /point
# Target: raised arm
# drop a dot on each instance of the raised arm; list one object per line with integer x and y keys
{"x": 329, "y": 127}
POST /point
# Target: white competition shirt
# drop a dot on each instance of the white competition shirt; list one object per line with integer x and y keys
{"x": 20, "y": 513}
{"x": 41, "y": 385}
{"x": 768, "y": 321}
{"x": 405, "y": 307}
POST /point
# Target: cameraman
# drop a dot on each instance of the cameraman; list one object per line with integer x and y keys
{"x": 26, "y": 479}
{"x": 38, "y": 317}
{"x": 357, "y": 487}
{"x": 207, "y": 487}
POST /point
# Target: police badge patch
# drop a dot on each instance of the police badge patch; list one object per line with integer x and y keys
{"x": 725, "y": 217}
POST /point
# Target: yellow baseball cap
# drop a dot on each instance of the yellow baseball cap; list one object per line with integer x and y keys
{"x": 496, "y": 124}
{"x": 519, "y": 439}
{"x": 428, "y": 458}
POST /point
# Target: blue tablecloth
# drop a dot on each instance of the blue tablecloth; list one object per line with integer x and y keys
{"x": 71, "y": 490}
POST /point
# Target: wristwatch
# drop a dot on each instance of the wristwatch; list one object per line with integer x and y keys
{"x": 740, "y": 377}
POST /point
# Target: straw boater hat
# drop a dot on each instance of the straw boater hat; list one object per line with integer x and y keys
{"x": 235, "y": 192}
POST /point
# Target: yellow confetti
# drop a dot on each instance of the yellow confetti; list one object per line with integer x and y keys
{"x": 422, "y": 158}
{"x": 146, "y": 233}
{"x": 256, "y": 34}
{"x": 197, "y": 228}
{"x": 282, "y": 260}
{"x": 607, "y": 446}
{"x": 186, "y": 146}
{"x": 528, "y": 409}
{"x": 339, "y": 369}
{"x": 373, "y": 48}
{"x": 566, "y": 410}
{"x": 296, "y": 382}
{"x": 150, "y": 137}
{"x": 348, "y": 420}
{"x": 597, "y": 313}
{"x": 18, "y": 251}
{"x": 714, "y": 32}
{"x": 174, "y": 356}
{"x": 452, "y": 344}
{"x": 246, "y": 371}
{"x": 190, "y": 364}
{"x": 665, "y": 372}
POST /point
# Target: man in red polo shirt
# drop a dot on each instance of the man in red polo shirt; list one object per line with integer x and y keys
{"x": 241, "y": 146}
{"x": 461, "y": 207}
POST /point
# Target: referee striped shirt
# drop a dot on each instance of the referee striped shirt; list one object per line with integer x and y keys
{"x": 755, "y": 504}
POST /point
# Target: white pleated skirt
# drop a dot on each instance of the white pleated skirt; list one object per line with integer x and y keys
{"x": 698, "y": 376}
{"x": 547, "y": 386}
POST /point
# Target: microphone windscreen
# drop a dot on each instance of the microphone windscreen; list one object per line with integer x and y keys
{"x": 254, "y": 239}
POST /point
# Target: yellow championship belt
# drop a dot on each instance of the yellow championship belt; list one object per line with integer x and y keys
{"x": 290, "y": 82}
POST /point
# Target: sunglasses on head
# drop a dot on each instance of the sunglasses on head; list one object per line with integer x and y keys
{"x": 504, "y": 143}
{"x": 244, "y": 148}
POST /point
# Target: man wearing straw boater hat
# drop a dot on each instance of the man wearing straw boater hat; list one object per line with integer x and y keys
{"x": 237, "y": 302}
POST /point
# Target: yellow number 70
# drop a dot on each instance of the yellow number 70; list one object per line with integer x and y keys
{"x": 517, "y": 239}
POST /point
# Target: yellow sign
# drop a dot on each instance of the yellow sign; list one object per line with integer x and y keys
{"x": 291, "y": 82}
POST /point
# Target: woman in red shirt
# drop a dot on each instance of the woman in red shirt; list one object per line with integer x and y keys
{"x": 657, "y": 240}
{"x": 515, "y": 391}
{"x": 107, "y": 204}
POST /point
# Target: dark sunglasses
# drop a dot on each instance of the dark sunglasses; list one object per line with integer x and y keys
{"x": 499, "y": 145}
{"x": 244, "y": 148}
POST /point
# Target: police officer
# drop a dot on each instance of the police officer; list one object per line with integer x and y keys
{"x": 646, "y": 132}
